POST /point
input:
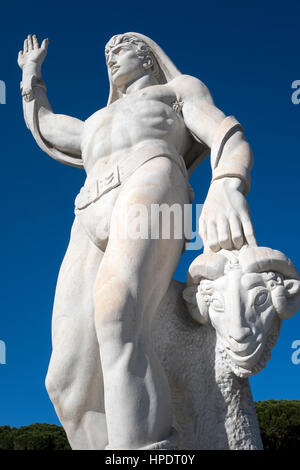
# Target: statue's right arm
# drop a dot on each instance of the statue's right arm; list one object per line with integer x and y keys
{"x": 58, "y": 135}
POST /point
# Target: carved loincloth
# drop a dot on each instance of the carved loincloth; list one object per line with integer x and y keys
{"x": 92, "y": 216}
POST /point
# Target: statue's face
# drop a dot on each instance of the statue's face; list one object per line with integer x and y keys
{"x": 124, "y": 65}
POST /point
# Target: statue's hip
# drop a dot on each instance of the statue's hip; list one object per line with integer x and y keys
{"x": 94, "y": 203}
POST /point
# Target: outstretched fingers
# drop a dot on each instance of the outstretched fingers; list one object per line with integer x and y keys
{"x": 35, "y": 41}
{"x": 45, "y": 44}
{"x": 32, "y": 43}
{"x": 25, "y": 47}
{"x": 32, "y": 51}
{"x": 29, "y": 42}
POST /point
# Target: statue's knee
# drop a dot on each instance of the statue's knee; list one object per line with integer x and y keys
{"x": 52, "y": 387}
{"x": 115, "y": 307}
{"x": 66, "y": 402}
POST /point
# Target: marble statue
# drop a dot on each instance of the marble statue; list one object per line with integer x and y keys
{"x": 238, "y": 300}
{"x": 139, "y": 360}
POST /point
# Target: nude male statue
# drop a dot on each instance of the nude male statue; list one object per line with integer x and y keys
{"x": 108, "y": 388}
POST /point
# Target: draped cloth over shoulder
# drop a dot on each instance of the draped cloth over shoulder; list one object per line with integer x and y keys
{"x": 168, "y": 71}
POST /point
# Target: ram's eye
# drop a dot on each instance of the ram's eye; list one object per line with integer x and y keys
{"x": 217, "y": 305}
{"x": 261, "y": 298}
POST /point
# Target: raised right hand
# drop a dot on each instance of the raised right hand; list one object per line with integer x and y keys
{"x": 32, "y": 51}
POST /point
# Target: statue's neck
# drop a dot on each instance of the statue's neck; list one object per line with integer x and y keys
{"x": 142, "y": 82}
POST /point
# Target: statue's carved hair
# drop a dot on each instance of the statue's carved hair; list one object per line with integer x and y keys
{"x": 143, "y": 51}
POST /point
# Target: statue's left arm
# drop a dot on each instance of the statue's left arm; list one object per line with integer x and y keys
{"x": 225, "y": 220}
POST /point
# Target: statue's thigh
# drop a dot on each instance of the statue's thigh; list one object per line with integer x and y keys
{"x": 75, "y": 358}
{"x": 145, "y": 263}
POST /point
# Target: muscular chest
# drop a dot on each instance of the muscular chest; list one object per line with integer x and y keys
{"x": 148, "y": 114}
{"x": 147, "y": 109}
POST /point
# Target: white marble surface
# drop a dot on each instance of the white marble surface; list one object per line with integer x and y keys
{"x": 109, "y": 378}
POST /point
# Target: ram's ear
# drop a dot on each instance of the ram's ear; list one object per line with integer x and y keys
{"x": 197, "y": 307}
{"x": 189, "y": 294}
{"x": 286, "y": 298}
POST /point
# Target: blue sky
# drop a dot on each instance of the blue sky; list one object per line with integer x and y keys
{"x": 248, "y": 57}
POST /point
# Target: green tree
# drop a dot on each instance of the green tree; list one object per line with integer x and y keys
{"x": 279, "y": 422}
{"x": 38, "y": 436}
{"x": 6, "y": 438}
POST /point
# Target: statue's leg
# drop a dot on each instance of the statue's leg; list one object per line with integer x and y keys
{"x": 133, "y": 278}
{"x": 74, "y": 380}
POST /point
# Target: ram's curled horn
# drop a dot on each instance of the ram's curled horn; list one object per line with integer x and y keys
{"x": 206, "y": 266}
{"x": 259, "y": 259}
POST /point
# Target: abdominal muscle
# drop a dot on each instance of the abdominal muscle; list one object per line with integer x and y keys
{"x": 138, "y": 123}
{"x": 147, "y": 148}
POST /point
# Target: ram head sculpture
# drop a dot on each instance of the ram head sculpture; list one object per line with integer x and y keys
{"x": 244, "y": 295}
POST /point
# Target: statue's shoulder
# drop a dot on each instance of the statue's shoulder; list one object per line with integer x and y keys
{"x": 187, "y": 85}
{"x": 95, "y": 116}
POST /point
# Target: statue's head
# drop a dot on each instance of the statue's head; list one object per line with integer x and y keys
{"x": 132, "y": 55}
{"x": 244, "y": 296}
{"x": 128, "y": 58}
